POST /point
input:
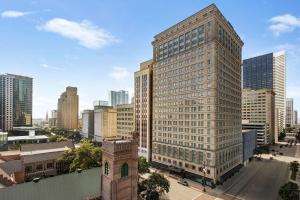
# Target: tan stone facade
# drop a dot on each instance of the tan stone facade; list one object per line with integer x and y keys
{"x": 119, "y": 169}
{"x": 67, "y": 109}
{"x": 197, "y": 95}
{"x": 143, "y": 107}
{"x": 125, "y": 120}
{"x": 258, "y": 106}
{"x": 105, "y": 122}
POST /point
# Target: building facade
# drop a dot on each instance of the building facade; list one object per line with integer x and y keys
{"x": 53, "y": 119}
{"x": 268, "y": 72}
{"x": 67, "y": 109}
{"x": 197, "y": 96}
{"x": 143, "y": 80}
{"x": 262, "y": 131}
{"x": 249, "y": 144}
{"x": 258, "y": 106}
{"x": 105, "y": 122}
{"x": 120, "y": 170}
{"x": 295, "y": 117}
{"x": 118, "y": 98}
{"x": 100, "y": 103}
{"x": 289, "y": 112}
{"x": 15, "y": 101}
{"x": 88, "y": 123}
{"x": 125, "y": 120}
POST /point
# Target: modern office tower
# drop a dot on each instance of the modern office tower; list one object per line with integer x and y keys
{"x": 15, "y": 101}
{"x": 125, "y": 120}
{"x": 100, "y": 103}
{"x": 289, "y": 112}
{"x": 258, "y": 106}
{"x": 54, "y": 114}
{"x": 268, "y": 72}
{"x": 143, "y": 107}
{"x": 88, "y": 123}
{"x": 295, "y": 117}
{"x": 105, "y": 122}
{"x": 117, "y": 98}
{"x": 67, "y": 109}
{"x": 197, "y": 96}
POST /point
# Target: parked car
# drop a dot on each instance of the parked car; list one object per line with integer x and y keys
{"x": 183, "y": 182}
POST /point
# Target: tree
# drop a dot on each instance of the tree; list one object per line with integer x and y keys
{"x": 143, "y": 165}
{"x": 85, "y": 157}
{"x": 156, "y": 184}
{"x": 289, "y": 191}
{"x": 294, "y": 167}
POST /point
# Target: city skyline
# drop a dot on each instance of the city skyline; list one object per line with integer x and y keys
{"x": 58, "y": 57}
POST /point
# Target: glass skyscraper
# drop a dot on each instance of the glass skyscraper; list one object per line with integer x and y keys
{"x": 15, "y": 101}
{"x": 258, "y": 72}
{"x": 118, "y": 98}
{"x": 268, "y": 72}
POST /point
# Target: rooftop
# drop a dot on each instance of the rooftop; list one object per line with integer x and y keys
{"x": 27, "y": 137}
{"x": 75, "y": 186}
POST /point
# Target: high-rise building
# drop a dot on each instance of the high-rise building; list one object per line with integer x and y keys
{"x": 295, "y": 117}
{"x": 53, "y": 119}
{"x": 67, "y": 109}
{"x": 125, "y": 120}
{"x": 197, "y": 96}
{"x": 268, "y": 72}
{"x": 88, "y": 123}
{"x": 105, "y": 122}
{"x": 117, "y": 98}
{"x": 143, "y": 107}
{"x": 15, "y": 101}
{"x": 289, "y": 112}
{"x": 258, "y": 107}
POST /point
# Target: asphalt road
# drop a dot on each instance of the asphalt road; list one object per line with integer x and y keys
{"x": 260, "y": 180}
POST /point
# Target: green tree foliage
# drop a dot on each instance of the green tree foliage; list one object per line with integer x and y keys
{"x": 155, "y": 184}
{"x": 294, "y": 167}
{"x": 289, "y": 191}
{"x": 143, "y": 165}
{"x": 85, "y": 157}
{"x": 57, "y": 138}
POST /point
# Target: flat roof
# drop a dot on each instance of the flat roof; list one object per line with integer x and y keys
{"x": 34, "y": 152}
{"x": 36, "y": 137}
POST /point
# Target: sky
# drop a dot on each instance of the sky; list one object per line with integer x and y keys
{"x": 97, "y": 45}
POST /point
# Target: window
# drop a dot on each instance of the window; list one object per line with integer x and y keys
{"x": 124, "y": 170}
{"x": 39, "y": 167}
{"x": 28, "y": 169}
{"x": 49, "y": 165}
{"x": 106, "y": 168}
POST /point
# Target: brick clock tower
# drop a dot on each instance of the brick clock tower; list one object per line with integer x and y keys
{"x": 119, "y": 169}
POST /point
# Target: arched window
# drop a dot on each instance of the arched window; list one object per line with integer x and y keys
{"x": 106, "y": 168}
{"x": 124, "y": 170}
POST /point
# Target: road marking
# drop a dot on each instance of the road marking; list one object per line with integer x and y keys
{"x": 197, "y": 196}
{"x": 235, "y": 197}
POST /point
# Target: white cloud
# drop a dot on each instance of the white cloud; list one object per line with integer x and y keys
{"x": 119, "y": 73}
{"x": 46, "y": 66}
{"x": 13, "y": 14}
{"x": 87, "y": 34}
{"x": 283, "y": 23}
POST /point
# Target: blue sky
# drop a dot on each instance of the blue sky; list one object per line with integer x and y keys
{"x": 96, "y": 45}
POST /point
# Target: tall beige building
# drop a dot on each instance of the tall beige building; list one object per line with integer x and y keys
{"x": 105, "y": 122}
{"x": 143, "y": 107}
{"x": 67, "y": 109}
{"x": 289, "y": 112}
{"x": 125, "y": 120}
{"x": 197, "y": 96}
{"x": 258, "y": 106}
